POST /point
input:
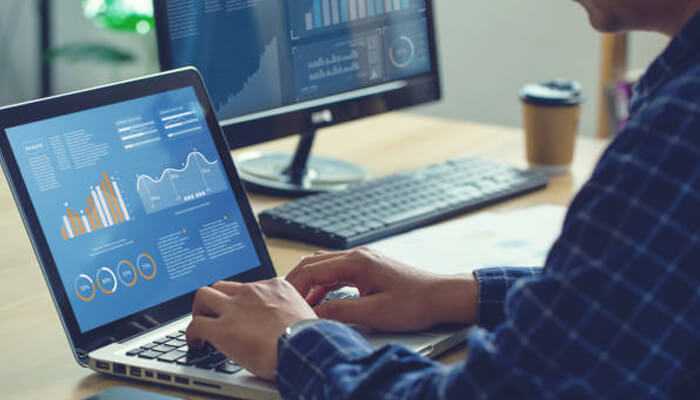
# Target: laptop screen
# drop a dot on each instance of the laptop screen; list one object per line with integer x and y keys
{"x": 135, "y": 204}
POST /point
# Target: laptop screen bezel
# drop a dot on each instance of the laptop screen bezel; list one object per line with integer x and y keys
{"x": 132, "y": 325}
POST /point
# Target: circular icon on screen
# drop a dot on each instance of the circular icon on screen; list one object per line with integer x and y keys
{"x": 85, "y": 288}
{"x": 106, "y": 281}
{"x": 127, "y": 273}
{"x": 147, "y": 266}
{"x": 402, "y": 52}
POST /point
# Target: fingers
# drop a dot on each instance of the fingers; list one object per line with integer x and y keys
{"x": 209, "y": 302}
{"x": 228, "y": 288}
{"x": 321, "y": 255}
{"x": 202, "y": 329}
{"x": 318, "y": 293}
{"x": 314, "y": 258}
{"x": 360, "y": 311}
{"x": 329, "y": 272}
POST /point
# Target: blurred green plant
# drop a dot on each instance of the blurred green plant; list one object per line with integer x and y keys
{"x": 121, "y": 15}
{"x": 126, "y": 16}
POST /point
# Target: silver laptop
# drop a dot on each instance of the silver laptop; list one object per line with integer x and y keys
{"x": 132, "y": 203}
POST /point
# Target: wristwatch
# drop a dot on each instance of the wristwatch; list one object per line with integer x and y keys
{"x": 297, "y": 327}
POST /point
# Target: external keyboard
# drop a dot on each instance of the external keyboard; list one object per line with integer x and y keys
{"x": 394, "y": 204}
{"x": 173, "y": 349}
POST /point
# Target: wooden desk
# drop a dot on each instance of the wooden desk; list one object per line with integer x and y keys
{"x": 36, "y": 361}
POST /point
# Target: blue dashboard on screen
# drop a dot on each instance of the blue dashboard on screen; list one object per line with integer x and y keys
{"x": 134, "y": 202}
{"x": 258, "y": 55}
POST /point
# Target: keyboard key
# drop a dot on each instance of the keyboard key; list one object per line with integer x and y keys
{"x": 229, "y": 367}
{"x": 162, "y": 348}
{"x": 185, "y": 361}
{"x": 189, "y": 360}
{"x": 177, "y": 335}
{"x": 135, "y": 352}
{"x": 175, "y": 343}
{"x": 198, "y": 356}
{"x": 172, "y": 356}
{"x": 212, "y": 362}
{"x": 149, "y": 355}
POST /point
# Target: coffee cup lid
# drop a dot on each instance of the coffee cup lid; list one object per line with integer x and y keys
{"x": 558, "y": 92}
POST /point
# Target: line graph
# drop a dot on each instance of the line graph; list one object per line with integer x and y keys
{"x": 197, "y": 178}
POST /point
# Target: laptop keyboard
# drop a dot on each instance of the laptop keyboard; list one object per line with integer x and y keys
{"x": 173, "y": 349}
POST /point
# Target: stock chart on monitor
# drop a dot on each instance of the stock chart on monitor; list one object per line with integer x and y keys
{"x": 257, "y": 55}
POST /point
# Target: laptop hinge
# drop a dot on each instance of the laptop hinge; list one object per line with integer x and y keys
{"x": 83, "y": 358}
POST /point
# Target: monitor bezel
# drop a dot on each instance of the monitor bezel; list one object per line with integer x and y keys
{"x": 417, "y": 90}
{"x": 164, "y": 313}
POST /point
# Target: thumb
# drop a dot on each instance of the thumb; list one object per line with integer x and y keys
{"x": 359, "y": 311}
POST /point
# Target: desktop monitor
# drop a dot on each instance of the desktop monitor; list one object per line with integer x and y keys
{"x": 275, "y": 68}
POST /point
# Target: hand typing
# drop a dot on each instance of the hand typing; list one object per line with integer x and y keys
{"x": 393, "y": 296}
{"x": 244, "y": 321}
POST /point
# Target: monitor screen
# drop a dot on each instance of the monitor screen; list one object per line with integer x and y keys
{"x": 135, "y": 204}
{"x": 272, "y": 55}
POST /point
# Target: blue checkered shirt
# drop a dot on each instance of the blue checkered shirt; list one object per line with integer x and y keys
{"x": 614, "y": 314}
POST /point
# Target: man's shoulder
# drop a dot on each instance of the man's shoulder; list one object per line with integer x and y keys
{"x": 665, "y": 124}
{"x": 673, "y": 109}
{"x": 682, "y": 91}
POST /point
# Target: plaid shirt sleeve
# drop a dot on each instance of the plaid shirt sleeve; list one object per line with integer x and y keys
{"x": 494, "y": 284}
{"x": 615, "y": 314}
{"x": 340, "y": 354}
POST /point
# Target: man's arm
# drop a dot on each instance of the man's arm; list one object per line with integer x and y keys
{"x": 330, "y": 360}
{"x": 616, "y": 313}
{"x": 584, "y": 334}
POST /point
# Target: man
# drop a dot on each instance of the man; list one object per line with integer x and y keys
{"x": 614, "y": 314}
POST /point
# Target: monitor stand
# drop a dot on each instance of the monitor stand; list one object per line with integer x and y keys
{"x": 300, "y": 174}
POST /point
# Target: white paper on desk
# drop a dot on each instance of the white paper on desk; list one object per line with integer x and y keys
{"x": 514, "y": 238}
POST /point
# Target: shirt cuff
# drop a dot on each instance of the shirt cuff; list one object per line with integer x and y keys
{"x": 303, "y": 357}
{"x": 494, "y": 284}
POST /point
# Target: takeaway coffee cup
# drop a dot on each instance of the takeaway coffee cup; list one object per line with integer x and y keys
{"x": 551, "y": 114}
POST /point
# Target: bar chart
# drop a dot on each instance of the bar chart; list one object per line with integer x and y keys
{"x": 105, "y": 208}
{"x": 328, "y": 13}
